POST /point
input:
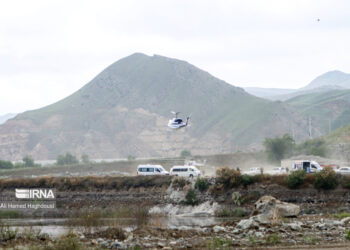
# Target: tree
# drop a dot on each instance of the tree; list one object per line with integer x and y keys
{"x": 67, "y": 159}
{"x": 28, "y": 161}
{"x": 85, "y": 159}
{"x": 185, "y": 153}
{"x": 279, "y": 147}
{"x": 5, "y": 164}
{"x": 313, "y": 147}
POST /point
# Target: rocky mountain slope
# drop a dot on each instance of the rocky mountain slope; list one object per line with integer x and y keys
{"x": 124, "y": 111}
{"x": 329, "y": 110}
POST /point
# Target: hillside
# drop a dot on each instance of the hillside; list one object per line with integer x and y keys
{"x": 4, "y": 118}
{"x": 268, "y": 92}
{"x": 124, "y": 111}
{"x": 334, "y": 78}
{"x": 341, "y": 135}
{"x": 329, "y": 110}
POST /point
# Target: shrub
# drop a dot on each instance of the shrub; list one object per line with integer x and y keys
{"x": 347, "y": 234}
{"x": 201, "y": 184}
{"x": 295, "y": 179}
{"x": 248, "y": 180}
{"x": 67, "y": 159}
{"x": 185, "y": 153}
{"x": 326, "y": 179}
{"x": 219, "y": 243}
{"x": 69, "y": 241}
{"x": 180, "y": 182}
{"x": 313, "y": 147}
{"x": 5, "y": 164}
{"x": 235, "y": 212}
{"x": 190, "y": 198}
{"x": 272, "y": 239}
{"x": 228, "y": 177}
{"x": 279, "y": 147}
{"x": 345, "y": 182}
{"x": 342, "y": 215}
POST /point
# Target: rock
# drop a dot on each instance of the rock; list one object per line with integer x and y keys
{"x": 82, "y": 237}
{"x": 118, "y": 245}
{"x": 263, "y": 219}
{"x": 297, "y": 226}
{"x": 104, "y": 244}
{"x": 247, "y": 224}
{"x": 202, "y": 210}
{"x": 345, "y": 220}
{"x": 270, "y": 205}
{"x": 217, "y": 229}
{"x": 99, "y": 240}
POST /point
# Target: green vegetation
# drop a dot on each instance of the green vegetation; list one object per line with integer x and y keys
{"x": 201, "y": 184}
{"x": 295, "y": 179}
{"x": 28, "y": 161}
{"x": 247, "y": 180}
{"x": 67, "y": 159}
{"x": 272, "y": 239}
{"x": 326, "y": 179}
{"x": 311, "y": 239}
{"x": 131, "y": 158}
{"x": 5, "y": 164}
{"x": 233, "y": 212}
{"x": 313, "y": 147}
{"x": 7, "y": 214}
{"x": 279, "y": 147}
{"x": 191, "y": 198}
{"x": 324, "y": 108}
{"x": 185, "y": 153}
{"x": 219, "y": 243}
{"x": 347, "y": 234}
{"x": 7, "y": 234}
{"x": 342, "y": 215}
{"x": 180, "y": 182}
{"x": 70, "y": 241}
{"x": 85, "y": 159}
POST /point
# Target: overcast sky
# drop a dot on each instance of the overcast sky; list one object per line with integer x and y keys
{"x": 49, "y": 49}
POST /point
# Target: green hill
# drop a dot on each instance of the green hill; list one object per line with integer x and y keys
{"x": 329, "y": 110}
{"x": 124, "y": 111}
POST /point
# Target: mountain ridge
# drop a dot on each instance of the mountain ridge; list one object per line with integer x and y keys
{"x": 124, "y": 111}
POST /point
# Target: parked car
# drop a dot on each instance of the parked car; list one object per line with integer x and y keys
{"x": 151, "y": 170}
{"x": 185, "y": 171}
{"x": 308, "y": 166}
{"x": 278, "y": 170}
{"x": 342, "y": 170}
{"x": 253, "y": 171}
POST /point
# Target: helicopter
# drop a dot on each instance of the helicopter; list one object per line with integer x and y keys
{"x": 176, "y": 122}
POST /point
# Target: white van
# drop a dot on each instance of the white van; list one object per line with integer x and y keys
{"x": 185, "y": 171}
{"x": 151, "y": 170}
{"x": 308, "y": 166}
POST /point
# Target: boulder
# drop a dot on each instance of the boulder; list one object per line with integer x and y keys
{"x": 217, "y": 229}
{"x": 270, "y": 205}
{"x": 247, "y": 224}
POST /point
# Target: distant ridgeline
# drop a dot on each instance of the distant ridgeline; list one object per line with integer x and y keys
{"x": 124, "y": 111}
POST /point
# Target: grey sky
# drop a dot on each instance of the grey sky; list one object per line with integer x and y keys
{"x": 49, "y": 49}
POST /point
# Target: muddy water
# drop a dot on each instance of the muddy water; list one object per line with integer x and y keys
{"x": 57, "y": 227}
